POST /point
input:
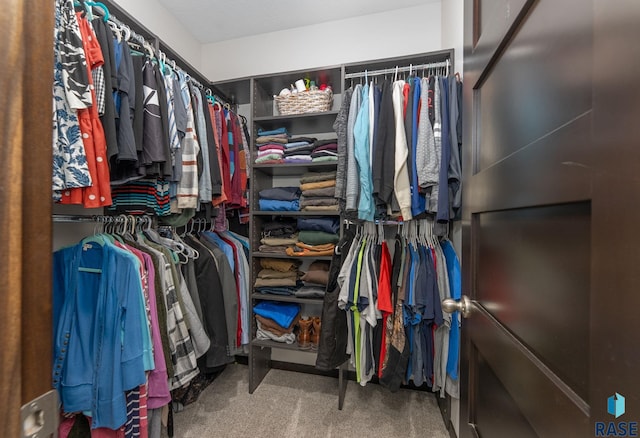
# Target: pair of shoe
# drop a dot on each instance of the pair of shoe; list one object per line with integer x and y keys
{"x": 309, "y": 332}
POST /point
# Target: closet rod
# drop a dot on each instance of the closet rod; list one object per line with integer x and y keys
{"x": 403, "y": 69}
{"x": 74, "y": 218}
{"x": 56, "y": 217}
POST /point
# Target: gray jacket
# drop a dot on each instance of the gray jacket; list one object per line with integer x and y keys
{"x": 340, "y": 126}
{"x": 353, "y": 182}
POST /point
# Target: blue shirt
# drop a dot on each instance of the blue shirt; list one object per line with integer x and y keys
{"x": 98, "y": 345}
{"x": 455, "y": 286}
{"x": 418, "y": 203}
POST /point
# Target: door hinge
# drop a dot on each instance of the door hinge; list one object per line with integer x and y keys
{"x": 39, "y": 417}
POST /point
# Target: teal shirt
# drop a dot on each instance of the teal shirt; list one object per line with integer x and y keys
{"x": 366, "y": 205}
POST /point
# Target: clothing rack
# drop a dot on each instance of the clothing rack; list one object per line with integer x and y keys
{"x": 120, "y": 219}
{"x": 410, "y": 69}
{"x": 142, "y": 34}
{"x": 73, "y": 218}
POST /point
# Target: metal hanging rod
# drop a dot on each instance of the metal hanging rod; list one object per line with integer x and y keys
{"x": 74, "y": 218}
{"x": 407, "y": 68}
{"x": 98, "y": 218}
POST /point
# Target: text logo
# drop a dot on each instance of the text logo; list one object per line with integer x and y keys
{"x": 615, "y": 405}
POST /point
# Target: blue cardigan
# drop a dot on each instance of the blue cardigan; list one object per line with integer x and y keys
{"x": 98, "y": 345}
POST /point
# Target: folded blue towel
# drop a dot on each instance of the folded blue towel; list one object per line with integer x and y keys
{"x": 282, "y": 313}
{"x": 273, "y": 205}
{"x": 262, "y": 132}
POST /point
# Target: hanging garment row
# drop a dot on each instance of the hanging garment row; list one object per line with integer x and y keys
{"x": 132, "y": 132}
{"x": 141, "y": 318}
{"x": 399, "y": 149}
{"x": 391, "y": 296}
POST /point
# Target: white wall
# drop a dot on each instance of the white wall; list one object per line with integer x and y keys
{"x": 453, "y": 29}
{"x": 384, "y": 35}
{"x": 155, "y": 17}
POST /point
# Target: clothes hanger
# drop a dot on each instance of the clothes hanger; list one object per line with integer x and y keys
{"x": 102, "y": 6}
{"x": 128, "y": 33}
{"x": 88, "y": 11}
{"x": 98, "y": 239}
{"x": 209, "y": 95}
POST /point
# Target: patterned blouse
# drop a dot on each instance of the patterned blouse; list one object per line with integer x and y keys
{"x": 71, "y": 91}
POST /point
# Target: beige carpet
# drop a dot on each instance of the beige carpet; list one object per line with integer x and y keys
{"x": 293, "y": 405}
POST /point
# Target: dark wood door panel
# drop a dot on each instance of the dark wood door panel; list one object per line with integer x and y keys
{"x": 533, "y": 277}
{"x": 497, "y": 414}
{"x": 490, "y": 23}
{"x": 540, "y": 82}
{"x": 551, "y": 122}
{"x": 556, "y": 169}
{"x": 616, "y": 257}
{"x": 550, "y": 406}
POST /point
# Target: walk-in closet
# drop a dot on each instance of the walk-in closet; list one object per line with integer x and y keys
{"x": 367, "y": 218}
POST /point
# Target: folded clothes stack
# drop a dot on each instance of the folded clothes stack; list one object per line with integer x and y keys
{"x": 299, "y": 149}
{"x": 271, "y": 146}
{"x": 279, "y": 199}
{"x": 277, "y": 236}
{"x": 303, "y": 250}
{"x": 326, "y": 224}
{"x": 318, "y": 191}
{"x": 325, "y": 151}
{"x": 314, "y": 243}
{"x": 278, "y": 277}
{"x": 315, "y": 280}
{"x": 276, "y": 321}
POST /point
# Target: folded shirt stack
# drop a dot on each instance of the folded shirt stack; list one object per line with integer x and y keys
{"x": 326, "y": 224}
{"x": 315, "y": 280}
{"x": 273, "y": 278}
{"x": 277, "y": 245}
{"x": 318, "y": 191}
{"x": 271, "y": 145}
{"x": 282, "y": 227}
{"x": 279, "y": 199}
{"x": 317, "y": 237}
{"x": 304, "y": 250}
{"x": 278, "y": 235}
{"x": 325, "y": 151}
{"x": 278, "y": 277}
{"x": 299, "y": 149}
{"x": 270, "y": 154}
{"x": 276, "y": 320}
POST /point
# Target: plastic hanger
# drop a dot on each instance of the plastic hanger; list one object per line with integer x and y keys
{"x": 101, "y": 6}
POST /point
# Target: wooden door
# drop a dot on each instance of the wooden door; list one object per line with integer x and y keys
{"x": 26, "y": 56}
{"x": 551, "y": 188}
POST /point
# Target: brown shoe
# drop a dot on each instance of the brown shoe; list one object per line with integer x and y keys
{"x": 304, "y": 334}
{"x": 315, "y": 335}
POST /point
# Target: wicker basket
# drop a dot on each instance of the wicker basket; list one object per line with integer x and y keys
{"x": 312, "y": 101}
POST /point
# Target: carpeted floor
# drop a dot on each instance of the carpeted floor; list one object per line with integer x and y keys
{"x": 296, "y": 405}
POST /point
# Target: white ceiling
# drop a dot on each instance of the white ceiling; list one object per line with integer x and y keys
{"x": 218, "y": 20}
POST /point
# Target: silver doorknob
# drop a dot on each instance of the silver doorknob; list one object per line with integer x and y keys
{"x": 463, "y": 306}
